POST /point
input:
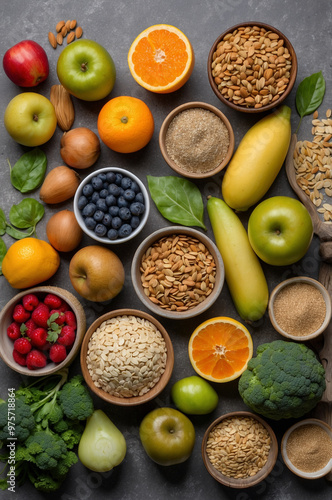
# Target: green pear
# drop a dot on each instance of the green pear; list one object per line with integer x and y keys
{"x": 102, "y": 445}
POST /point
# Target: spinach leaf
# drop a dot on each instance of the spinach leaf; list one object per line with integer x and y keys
{"x": 3, "y": 222}
{"x": 17, "y": 234}
{"x": 29, "y": 171}
{"x": 177, "y": 199}
{"x": 3, "y": 251}
{"x": 26, "y": 214}
{"x": 309, "y": 94}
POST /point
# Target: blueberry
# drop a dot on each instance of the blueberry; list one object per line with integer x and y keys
{"x": 116, "y": 222}
{"x": 113, "y": 210}
{"x": 112, "y": 234}
{"x": 110, "y": 200}
{"x": 137, "y": 208}
{"x": 129, "y": 195}
{"x": 90, "y": 223}
{"x": 139, "y": 197}
{"x": 95, "y": 197}
{"x": 122, "y": 202}
{"x": 110, "y": 177}
{"x": 87, "y": 189}
{"x": 126, "y": 183}
{"x": 100, "y": 230}
{"x": 97, "y": 183}
{"x": 102, "y": 205}
{"x": 107, "y": 220}
{"x": 118, "y": 178}
{"x": 124, "y": 213}
{"x": 82, "y": 201}
{"x": 102, "y": 176}
{"x": 135, "y": 221}
{"x": 135, "y": 187}
{"x": 125, "y": 230}
{"x": 103, "y": 193}
{"x": 89, "y": 210}
{"x": 98, "y": 215}
{"x": 114, "y": 190}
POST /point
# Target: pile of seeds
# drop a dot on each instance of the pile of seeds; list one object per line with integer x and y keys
{"x": 251, "y": 66}
{"x": 126, "y": 356}
{"x": 64, "y": 29}
{"x": 177, "y": 272}
{"x": 238, "y": 447}
{"x": 313, "y": 165}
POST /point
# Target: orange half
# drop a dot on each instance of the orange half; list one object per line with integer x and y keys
{"x": 220, "y": 348}
{"x": 161, "y": 58}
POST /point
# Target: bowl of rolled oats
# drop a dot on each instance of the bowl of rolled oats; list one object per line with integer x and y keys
{"x": 239, "y": 449}
{"x": 252, "y": 67}
{"x": 127, "y": 357}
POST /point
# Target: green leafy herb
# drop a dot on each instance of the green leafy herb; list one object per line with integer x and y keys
{"x": 29, "y": 171}
{"x": 25, "y": 215}
{"x": 3, "y": 223}
{"x": 53, "y": 329}
{"x": 3, "y": 251}
{"x": 309, "y": 94}
{"x": 177, "y": 199}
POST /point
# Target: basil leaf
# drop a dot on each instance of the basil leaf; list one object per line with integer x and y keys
{"x": 309, "y": 94}
{"x": 177, "y": 199}
{"x": 3, "y": 251}
{"x": 3, "y": 222}
{"x": 26, "y": 214}
{"x": 29, "y": 171}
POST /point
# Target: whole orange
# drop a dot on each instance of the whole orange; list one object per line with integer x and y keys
{"x": 125, "y": 124}
{"x": 28, "y": 262}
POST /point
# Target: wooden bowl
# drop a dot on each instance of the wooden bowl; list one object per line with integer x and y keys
{"x": 135, "y": 400}
{"x": 249, "y": 481}
{"x": 162, "y": 140}
{"x": 6, "y": 344}
{"x": 242, "y": 108}
{"x": 136, "y": 273}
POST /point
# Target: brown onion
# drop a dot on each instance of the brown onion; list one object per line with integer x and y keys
{"x": 59, "y": 185}
{"x": 80, "y": 147}
{"x": 63, "y": 231}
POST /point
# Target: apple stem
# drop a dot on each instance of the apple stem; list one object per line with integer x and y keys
{"x": 84, "y": 67}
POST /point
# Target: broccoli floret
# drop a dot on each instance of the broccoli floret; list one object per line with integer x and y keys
{"x": 45, "y": 449}
{"x": 72, "y": 436}
{"x": 43, "y": 481}
{"x": 24, "y": 422}
{"x": 75, "y": 399}
{"x": 284, "y": 380}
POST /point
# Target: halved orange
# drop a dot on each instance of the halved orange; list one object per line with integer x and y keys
{"x": 161, "y": 58}
{"x": 220, "y": 348}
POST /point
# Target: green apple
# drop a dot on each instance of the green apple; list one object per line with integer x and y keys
{"x": 30, "y": 119}
{"x": 194, "y": 395}
{"x": 167, "y": 436}
{"x": 86, "y": 70}
{"x": 280, "y": 230}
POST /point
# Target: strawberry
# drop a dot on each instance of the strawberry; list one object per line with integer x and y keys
{"x": 20, "y": 314}
{"x": 60, "y": 319}
{"x": 40, "y": 315}
{"x": 13, "y": 331}
{"x": 36, "y": 359}
{"x": 30, "y": 301}
{"x": 22, "y": 345}
{"x": 67, "y": 336}
{"x": 70, "y": 319}
{"x": 64, "y": 307}
{"x": 57, "y": 353}
{"x": 28, "y": 327}
{"x": 53, "y": 301}
{"x": 19, "y": 358}
{"x": 39, "y": 337}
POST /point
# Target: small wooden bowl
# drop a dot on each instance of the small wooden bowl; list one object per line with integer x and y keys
{"x": 306, "y": 475}
{"x": 135, "y": 400}
{"x": 249, "y": 481}
{"x": 293, "y": 71}
{"x": 6, "y": 344}
{"x": 162, "y": 140}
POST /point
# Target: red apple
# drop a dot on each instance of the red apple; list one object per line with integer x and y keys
{"x": 26, "y": 64}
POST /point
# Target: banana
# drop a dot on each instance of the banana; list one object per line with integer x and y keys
{"x": 243, "y": 272}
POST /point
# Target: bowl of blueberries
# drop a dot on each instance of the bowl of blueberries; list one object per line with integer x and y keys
{"x": 111, "y": 205}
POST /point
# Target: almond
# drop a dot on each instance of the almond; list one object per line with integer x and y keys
{"x": 71, "y": 37}
{"x": 59, "y": 26}
{"x": 63, "y": 106}
{"x": 52, "y": 40}
{"x": 68, "y": 24}
{"x": 78, "y": 32}
{"x": 73, "y": 24}
{"x": 64, "y": 31}
{"x": 59, "y": 39}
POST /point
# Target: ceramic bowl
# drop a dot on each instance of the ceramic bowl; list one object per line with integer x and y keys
{"x": 162, "y": 140}
{"x": 309, "y": 281}
{"x": 306, "y": 475}
{"x": 6, "y": 344}
{"x": 143, "y": 217}
{"x": 236, "y": 72}
{"x": 135, "y": 400}
{"x": 136, "y": 273}
{"x": 241, "y": 482}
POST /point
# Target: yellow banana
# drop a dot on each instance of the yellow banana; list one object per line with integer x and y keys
{"x": 257, "y": 160}
{"x": 243, "y": 272}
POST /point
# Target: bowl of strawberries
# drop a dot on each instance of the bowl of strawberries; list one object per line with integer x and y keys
{"x": 41, "y": 330}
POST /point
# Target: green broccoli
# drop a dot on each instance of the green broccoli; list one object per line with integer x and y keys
{"x": 284, "y": 380}
{"x": 43, "y": 480}
{"x": 75, "y": 399}
{"x": 23, "y": 425}
{"x": 45, "y": 449}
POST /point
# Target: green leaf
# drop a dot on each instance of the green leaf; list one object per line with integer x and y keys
{"x": 177, "y": 199}
{"x": 3, "y": 251}
{"x": 26, "y": 214}
{"x": 29, "y": 171}
{"x": 3, "y": 222}
{"x": 309, "y": 94}
{"x": 17, "y": 234}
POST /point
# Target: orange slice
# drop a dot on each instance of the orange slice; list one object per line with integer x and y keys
{"x": 161, "y": 59}
{"x": 220, "y": 348}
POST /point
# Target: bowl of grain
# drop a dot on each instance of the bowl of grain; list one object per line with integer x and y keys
{"x": 196, "y": 140}
{"x": 252, "y": 67}
{"x": 300, "y": 308}
{"x": 127, "y": 357}
{"x": 306, "y": 448}
{"x": 177, "y": 272}
{"x": 239, "y": 449}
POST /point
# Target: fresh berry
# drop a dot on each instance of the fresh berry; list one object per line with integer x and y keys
{"x": 22, "y": 345}
{"x": 65, "y": 307}
{"x": 30, "y": 301}
{"x": 13, "y": 331}
{"x": 19, "y": 358}
{"x": 53, "y": 301}
{"x": 36, "y": 359}
{"x": 57, "y": 353}
{"x": 29, "y": 327}
{"x": 60, "y": 318}
{"x": 20, "y": 314}
{"x": 70, "y": 319}
{"x": 67, "y": 336}
{"x": 40, "y": 315}
{"x": 39, "y": 337}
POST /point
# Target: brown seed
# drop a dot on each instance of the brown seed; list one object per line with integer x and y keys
{"x": 52, "y": 40}
{"x": 59, "y": 39}
{"x": 71, "y": 37}
{"x": 68, "y": 24}
{"x": 64, "y": 31}
{"x": 59, "y": 26}
{"x": 78, "y": 32}
{"x": 73, "y": 24}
